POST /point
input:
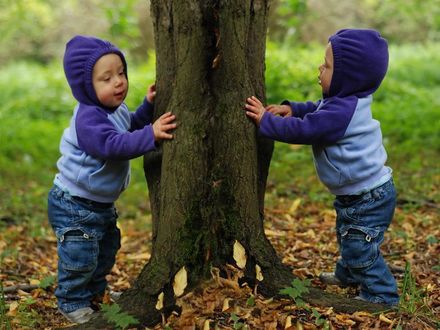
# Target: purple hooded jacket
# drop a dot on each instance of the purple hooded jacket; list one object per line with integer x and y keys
{"x": 347, "y": 142}
{"x": 99, "y": 142}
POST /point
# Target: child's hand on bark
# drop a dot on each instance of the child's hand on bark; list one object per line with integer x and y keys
{"x": 163, "y": 125}
{"x": 254, "y": 109}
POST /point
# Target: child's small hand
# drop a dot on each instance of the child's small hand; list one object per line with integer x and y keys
{"x": 162, "y": 125}
{"x": 254, "y": 109}
{"x": 151, "y": 93}
{"x": 282, "y": 110}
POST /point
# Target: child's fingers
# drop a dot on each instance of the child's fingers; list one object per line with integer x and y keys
{"x": 253, "y": 101}
{"x": 252, "y": 108}
{"x": 257, "y": 101}
{"x": 166, "y": 114}
{"x": 251, "y": 115}
{"x": 270, "y": 106}
{"x": 167, "y": 118}
{"x": 273, "y": 109}
{"x": 249, "y": 106}
{"x": 165, "y": 136}
{"x": 168, "y": 127}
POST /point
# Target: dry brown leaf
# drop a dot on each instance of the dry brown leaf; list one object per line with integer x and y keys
{"x": 294, "y": 206}
{"x": 180, "y": 282}
{"x": 273, "y": 233}
{"x": 140, "y": 256}
{"x": 13, "y": 309}
{"x": 383, "y": 318}
{"x": 225, "y": 306}
{"x": 159, "y": 303}
{"x": 345, "y": 319}
{"x": 239, "y": 255}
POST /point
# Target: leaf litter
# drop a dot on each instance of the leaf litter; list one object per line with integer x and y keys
{"x": 302, "y": 234}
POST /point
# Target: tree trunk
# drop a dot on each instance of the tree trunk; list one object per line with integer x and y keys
{"x": 207, "y": 185}
{"x": 207, "y": 189}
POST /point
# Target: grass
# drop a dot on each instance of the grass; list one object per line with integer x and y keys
{"x": 4, "y": 320}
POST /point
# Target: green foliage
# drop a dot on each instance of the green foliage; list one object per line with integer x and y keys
{"x": 292, "y": 73}
{"x": 238, "y": 324}
{"x": 407, "y": 19}
{"x": 32, "y": 91}
{"x": 432, "y": 239}
{"x": 24, "y": 21}
{"x": 401, "y": 22}
{"x": 4, "y": 319}
{"x": 37, "y": 30}
{"x": 321, "y": 322}
{"x": 287, "y": 16}
{"x": 251, "y": 301}
{"x": 124, "y": 29}
{"x": 412, "y": 300}
{"x": 296, "y": 290}
{"x": 47, "y": 281}
{"x": 27, "y": 315}
{"x": 114, "y": 314}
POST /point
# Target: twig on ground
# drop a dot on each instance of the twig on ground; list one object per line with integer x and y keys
{"x": 23, "y": 287}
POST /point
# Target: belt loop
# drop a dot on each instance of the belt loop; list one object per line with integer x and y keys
{"x": 61, "y": 193}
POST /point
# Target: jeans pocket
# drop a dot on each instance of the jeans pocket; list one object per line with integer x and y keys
{"x": 355, "y": 212}
{"x": 359, "y": 245}
{"x": 77, "y": 250}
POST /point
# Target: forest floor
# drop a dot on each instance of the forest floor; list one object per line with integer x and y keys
{"x": 302, "y": 234}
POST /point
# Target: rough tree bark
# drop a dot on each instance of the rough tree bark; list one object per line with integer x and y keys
{"x": 207, "y": 185}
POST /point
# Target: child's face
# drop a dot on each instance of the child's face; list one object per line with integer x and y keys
{"x": 326, "y": 70}
{"x": 109, "y": 80}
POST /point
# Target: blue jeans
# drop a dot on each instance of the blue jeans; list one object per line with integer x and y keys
{"x": 87, "y": 239}
{"x": 360, "y": 225}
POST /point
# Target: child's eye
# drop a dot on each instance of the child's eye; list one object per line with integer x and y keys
{"x": 121, "y": 73}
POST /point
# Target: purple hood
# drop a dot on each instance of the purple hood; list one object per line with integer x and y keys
{"x": 360, "y": 62}
{"x": 82, "y": 52}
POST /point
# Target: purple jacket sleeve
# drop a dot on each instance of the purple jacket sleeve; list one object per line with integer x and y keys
{"x": 142, "y": 116}
{"x": 300, "y": 109}
{"x": 98, "y": 136}
{"x": 326, "y": 125}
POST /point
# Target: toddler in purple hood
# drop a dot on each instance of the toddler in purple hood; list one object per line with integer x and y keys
{"x": 348, "y": 154}
{"x": 94, "y": 169}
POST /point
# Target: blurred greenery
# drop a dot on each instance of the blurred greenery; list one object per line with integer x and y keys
{"x": 303, "y": 21}
{"x": 37, "y": 30}
{"x": 36, "y": 103}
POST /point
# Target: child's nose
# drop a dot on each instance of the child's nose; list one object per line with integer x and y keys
{"x": 118, "y": 80}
